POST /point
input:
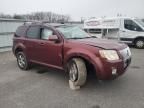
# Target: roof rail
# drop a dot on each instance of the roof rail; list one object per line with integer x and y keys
{"x": 40, "y": 22}
{"x": 32, "y": 22}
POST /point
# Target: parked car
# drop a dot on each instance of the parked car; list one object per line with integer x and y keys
{"x": 125, "y": 29}
{"x": 69, "y": 48}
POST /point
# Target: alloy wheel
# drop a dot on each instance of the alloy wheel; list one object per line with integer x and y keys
{"x": 21, "y": 61}
{"x": 73, "y": 72}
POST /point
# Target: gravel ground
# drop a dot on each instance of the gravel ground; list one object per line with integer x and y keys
{"x": 45, "y": 88}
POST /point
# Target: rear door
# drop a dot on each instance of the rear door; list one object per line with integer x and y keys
{"x": 32, "y": 42}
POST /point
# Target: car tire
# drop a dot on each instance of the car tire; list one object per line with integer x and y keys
{"x": 22, "y": 61}
{"x": 77, "y": 71}
{"x": 139, "y": 43}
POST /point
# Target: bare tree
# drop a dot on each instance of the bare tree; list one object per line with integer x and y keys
{"x": 47, "y": 16}
{"x": 40, "y": 16}
{"x": 5, "y": 16}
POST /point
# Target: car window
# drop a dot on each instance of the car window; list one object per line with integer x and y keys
{"x": 45, "y": 33}
{"x": 131, "y": 25}
{"x": 33, "y": 32}
{"x": 140, "y": 22}
{"x": 21, "y": 31}
{"x": 98, "y": 31}
{"x": 70, "y": 32}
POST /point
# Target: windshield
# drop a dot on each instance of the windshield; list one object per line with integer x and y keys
{"x": 73, "y": 32}
{"x": 140, "y": 22}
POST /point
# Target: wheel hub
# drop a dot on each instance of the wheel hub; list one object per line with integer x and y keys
{"x": 140, "y": 44}
{"x": 21, "y": 61}
{"x": 73, "y": 72}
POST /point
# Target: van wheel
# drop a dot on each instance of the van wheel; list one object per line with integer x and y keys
{"x": 77, "y": 72}
{"x": 139, "y": 43}
{"x": 22, "y": 61}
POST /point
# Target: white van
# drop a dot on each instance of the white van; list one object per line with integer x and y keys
{"x": 125, "y": 29}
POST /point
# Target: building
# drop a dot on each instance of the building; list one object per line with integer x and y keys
{"x": 7, "y": 29}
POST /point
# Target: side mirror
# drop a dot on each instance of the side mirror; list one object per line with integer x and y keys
{"x": 53, "y": 38}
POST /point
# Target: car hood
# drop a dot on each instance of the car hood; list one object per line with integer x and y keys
{"x": 102, "y": 43}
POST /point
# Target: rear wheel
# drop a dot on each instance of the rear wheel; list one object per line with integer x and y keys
{"x": 77, "y": 71}
{"x": 22, "y": 61}
{"x": 139, "y": 43}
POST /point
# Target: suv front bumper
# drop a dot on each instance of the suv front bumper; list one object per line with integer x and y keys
{"x": 113, "y": 69}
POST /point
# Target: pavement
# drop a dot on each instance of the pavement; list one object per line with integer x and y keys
{"x": 45, "y": 88}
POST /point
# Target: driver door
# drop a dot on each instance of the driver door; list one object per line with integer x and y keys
{"x": 49, "y": 52}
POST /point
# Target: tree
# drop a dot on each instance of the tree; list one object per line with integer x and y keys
{"x": 47, "y": 16}
{"x": 5, "y": 16}
{"x": 40, "y": 16}
{"x": 17, "y": 17}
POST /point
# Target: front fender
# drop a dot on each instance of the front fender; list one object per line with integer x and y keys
{"x": 87, "y": 55}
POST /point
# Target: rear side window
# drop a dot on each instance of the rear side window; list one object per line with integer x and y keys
{"x": 21, "y": 31}
{"x": 34, "y": 32}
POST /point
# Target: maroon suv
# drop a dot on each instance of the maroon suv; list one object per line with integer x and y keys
{"x": 69, "y": 48}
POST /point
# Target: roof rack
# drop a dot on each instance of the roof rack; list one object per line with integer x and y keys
{"x": 32, "y": 22}
{"x": 35, "y": 22}
{"x": 44, "y": 22}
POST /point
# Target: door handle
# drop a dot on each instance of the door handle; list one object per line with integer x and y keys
{"x": 123, "y": 31}
{"x": 42, "y": 43}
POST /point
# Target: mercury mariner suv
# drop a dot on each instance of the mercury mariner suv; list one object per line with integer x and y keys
{"x": 69, "y": 48}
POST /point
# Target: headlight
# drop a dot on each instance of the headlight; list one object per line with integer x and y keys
{"x": 109, "y": 54}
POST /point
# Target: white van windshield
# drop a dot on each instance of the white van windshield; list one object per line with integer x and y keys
{"x": 140, "y": 22}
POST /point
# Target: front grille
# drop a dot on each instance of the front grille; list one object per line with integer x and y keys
{"x": 126, "y": 53}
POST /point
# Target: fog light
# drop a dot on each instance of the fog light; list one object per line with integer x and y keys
{"x": 114, "y": 71}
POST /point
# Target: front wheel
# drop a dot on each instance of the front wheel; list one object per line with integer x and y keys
{"x": 139, "y": 43}
{"x": 22, "y": 61}
{"x": 77, "y": 71}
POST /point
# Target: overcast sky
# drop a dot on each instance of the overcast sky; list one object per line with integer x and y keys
{"x": 75, "y": 8}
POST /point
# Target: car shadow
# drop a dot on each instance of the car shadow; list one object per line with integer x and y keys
{"x": 50, "y": 73}
{"x": 132, "y": 46}
{"x": 92, "y": 82}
